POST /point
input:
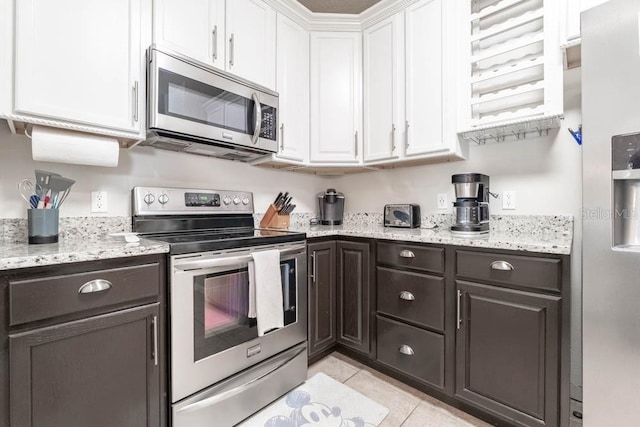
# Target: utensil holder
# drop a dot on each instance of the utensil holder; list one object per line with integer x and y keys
{"x": 271, "y": 219}
{"x": 42, "y": 225}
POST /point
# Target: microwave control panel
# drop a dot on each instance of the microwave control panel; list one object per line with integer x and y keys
{"x": 269, "y": 123}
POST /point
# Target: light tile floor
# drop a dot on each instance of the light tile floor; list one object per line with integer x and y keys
{"x": 407, "y": 406}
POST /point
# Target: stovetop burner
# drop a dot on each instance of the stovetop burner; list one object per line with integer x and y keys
{"x": 197, "y": 220}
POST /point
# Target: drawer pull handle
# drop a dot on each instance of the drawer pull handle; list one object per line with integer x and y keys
{"x": 405, "y": 349}
{"x": 501, "y": 265}
{"x": 97, "y": 285}
{"x": 407, "y": 254}
{"x": 407, "y": 296}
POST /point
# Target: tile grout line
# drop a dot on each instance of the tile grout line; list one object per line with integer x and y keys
{"x": 410, "y": 413}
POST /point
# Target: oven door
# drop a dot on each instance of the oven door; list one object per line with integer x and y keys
{"x": 211, "y": 336}
{"x": 190, "y": 99}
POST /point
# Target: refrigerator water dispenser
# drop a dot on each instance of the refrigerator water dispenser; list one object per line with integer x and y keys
{"x": 625, "y": 162}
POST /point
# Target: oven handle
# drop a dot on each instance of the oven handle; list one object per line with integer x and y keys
{"x": 212, "y": 262}
{"x": 237, "y": 390}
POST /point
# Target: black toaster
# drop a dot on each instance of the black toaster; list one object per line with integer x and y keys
{"x": 403, "y": 216}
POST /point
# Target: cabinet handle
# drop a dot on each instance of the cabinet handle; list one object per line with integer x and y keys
{"x": 356, "y": 144}
{"x": 405, "y": 349}
{"x": 407, "y": 254}
{"x": 214, "y": 40}
{"x": 282, "y": 136}
{"x": 97, "y": 285}
{"x": 135, "y": 101}
{"x": 501, "y": 265}
{"x": 393, "y": 137}
{"x": 407, "y": 296}
{"x": 406, "y": 134}
{"x": 458, "y": 314}
{"x": 231, "y": 52}
{"x": 155, "y": 340}
{"x": 257, "y": 111}
{"x": 313, "y": 267}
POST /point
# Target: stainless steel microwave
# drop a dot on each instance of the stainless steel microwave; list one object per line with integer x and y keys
{"x": 195, "y": 108}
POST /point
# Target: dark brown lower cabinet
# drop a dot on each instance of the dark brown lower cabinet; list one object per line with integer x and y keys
{"x": 507, "y": 353}
{"x": 322, "y": 296}
{"x": 99, "y": 371}
{"x": 353, "y": 289}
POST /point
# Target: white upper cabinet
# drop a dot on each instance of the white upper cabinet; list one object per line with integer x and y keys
{"x": 251, "y": 41}
{"x": 424, "y": 71}
{"x": 336, "y": 97}
{"x": 238, "y": 36}
{"x": 573, "y": 9}
{"x": 194, "y": 28}
{"x": 293, "y": 87}
{"x": 383, "y": 89}
{"x": 80, "y": 61}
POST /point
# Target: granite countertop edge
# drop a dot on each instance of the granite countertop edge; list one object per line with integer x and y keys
{"x": 557, "y": 245}
{"x": 22, "y": 255}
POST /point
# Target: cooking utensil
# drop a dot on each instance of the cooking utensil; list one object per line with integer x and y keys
{"x": 60, "y": 187}
{"x": 42, "y": 180}
{"x": 277, "y": 199}
{"x": 27, "y": 190}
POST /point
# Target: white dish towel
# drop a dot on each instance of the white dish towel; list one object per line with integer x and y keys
{"x": 265, "y": 290}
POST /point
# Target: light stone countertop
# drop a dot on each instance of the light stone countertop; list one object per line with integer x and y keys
{"x": 21, "y": 255}
{"x": 549, "y": 243}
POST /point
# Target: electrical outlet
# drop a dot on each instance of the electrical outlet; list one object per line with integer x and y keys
{"x": 508, "y": 200}
{"x": 98, "y": 201}
{"x": 442, "y": 201}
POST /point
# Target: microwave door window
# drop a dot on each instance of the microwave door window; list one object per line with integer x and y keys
{"x": 194, "y": 101}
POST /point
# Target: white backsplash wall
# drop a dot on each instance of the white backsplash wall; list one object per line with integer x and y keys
{"x": 144, "y": 166}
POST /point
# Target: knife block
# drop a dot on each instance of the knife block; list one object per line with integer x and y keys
{"x": 271, "y": 219}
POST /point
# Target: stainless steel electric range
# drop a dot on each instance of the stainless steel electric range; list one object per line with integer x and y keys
{"x": 221, "y": 371}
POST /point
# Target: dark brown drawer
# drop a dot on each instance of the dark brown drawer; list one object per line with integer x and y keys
{"x": 411, "y": 256}
{"x": 411, "y": 350}
{"x": 542, "y": 273}
{"x": 48, "y": 297}
{"x": 413, "y": 297}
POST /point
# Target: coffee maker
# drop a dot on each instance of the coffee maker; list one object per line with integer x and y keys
{"x": 472, "y": 203}
{"x": 330, "y": 207}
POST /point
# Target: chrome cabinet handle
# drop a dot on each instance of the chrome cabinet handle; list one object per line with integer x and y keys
{"x": 214, "y": 36}
{"x": 282, "y": 136}
{"x": 501, "y": 265}
{"x": 313, "y": 267}
{"x": 155, "y": 340}
{"x": 405, "y": 349}
{"x": 356, "y": 144}
{"x": 135, "y": 101}
{"x": 407, "y": 254}
{"x": 393, "y": 137}
{"x": 231, "y": 50}
{"x": 458, "y": 314}
{"x": 407, "y": 296}
{"x": 406, "y": 134}
{"x": 97, "y": 285}
{"x": 257, "y": 117}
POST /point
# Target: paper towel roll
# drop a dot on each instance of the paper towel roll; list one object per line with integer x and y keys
{"x": 78, "y": 148}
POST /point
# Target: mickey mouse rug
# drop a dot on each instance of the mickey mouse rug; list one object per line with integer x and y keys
{"x": 320, "y": 402}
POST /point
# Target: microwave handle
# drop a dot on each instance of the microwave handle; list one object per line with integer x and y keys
{"x": 257, "y": 111}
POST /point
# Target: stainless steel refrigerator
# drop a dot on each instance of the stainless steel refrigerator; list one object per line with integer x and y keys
{"x": 611, "y": 214}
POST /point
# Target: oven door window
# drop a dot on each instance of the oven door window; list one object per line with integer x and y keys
{"x": 221, "y": 304}
{"x": 188, "y": 99}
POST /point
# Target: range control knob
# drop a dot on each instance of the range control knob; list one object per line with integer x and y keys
{"x": 236, "y": 200}
{"x": 226, "y": 200}
{"x": 163, "y": 199}
{"x": 245, "y": 200}
{"x": 149, "y": 198}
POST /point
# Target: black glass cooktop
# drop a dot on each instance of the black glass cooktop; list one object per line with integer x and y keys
{"x": 183, "y": 242}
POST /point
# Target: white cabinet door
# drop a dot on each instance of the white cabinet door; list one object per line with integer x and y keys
{"x": 251, "y": 41}
{"x": 336, "y": 97}
{"x": 573, "y": 9}
{"x": 293, "y": 88}
{"x": 383, "y": 89}
{"x": 192, "y": 27}
{"x": 80, "y": 61}
{"x": 424, "y": 64}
